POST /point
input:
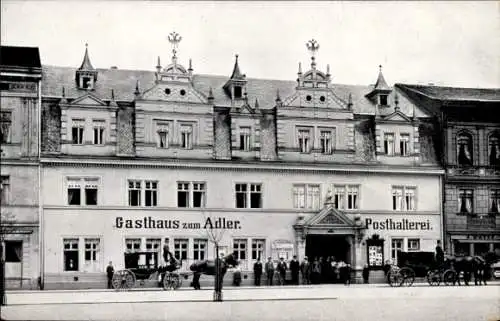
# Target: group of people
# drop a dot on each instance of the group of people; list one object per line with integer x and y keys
{"x": 320, "y": 270}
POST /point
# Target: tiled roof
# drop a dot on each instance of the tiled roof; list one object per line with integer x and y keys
{"x": 28, "y": 57}
{"x": 455, "y": 93}
{"x": 123, "y": 82}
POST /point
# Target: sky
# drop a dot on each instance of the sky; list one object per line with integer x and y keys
{"x": 444, "y": 43}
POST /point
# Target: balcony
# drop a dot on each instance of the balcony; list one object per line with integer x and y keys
{"x": 481, "y": 222}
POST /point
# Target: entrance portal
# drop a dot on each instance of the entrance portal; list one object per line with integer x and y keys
{"x": 326, "y": 246}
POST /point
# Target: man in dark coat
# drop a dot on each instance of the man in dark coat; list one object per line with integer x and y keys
{"x": 282, "y": 270}
{"x": 305, "y": 268}
{"x": 295, "y": 267}
{"x": 269, "y": 267}
{"x": 366, "y": 274}
{"x": 439, "y": 255}
{"x": 109, "y": 272}
{"x": 257, "y": 271}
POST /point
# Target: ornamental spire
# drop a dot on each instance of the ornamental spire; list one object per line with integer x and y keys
{"x": 236, "y": 70}
{"x": 313, "y": 46}
{"x": 86, "y": 65}
{"x": 158, "y": 65}
{"x": 137, "y": 92}
{"x": 174, "y": 38}
{"x": 381, "y": 84}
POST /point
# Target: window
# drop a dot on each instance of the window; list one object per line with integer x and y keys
{"x": 186, "y": 136}
{"x": 163, "y": 135}
{"x": 352, "y": 197}
{"x": 404, "y": 144}
{"x": 248, "y": 195}
{"x": 304, "y": 140}
{"x": 82, "y": 191}
{"x": 5, "y": 127}
{"x": 494, "y": 149}
{"x": 92, "y": 253}
{"x": 494, "y": 201}
{"x": 339, "y": 197}
{"x": 200, "y": 249}
{"x": 99, "y": 126}
{"x": 237, "y": 92}
{"x": 245, "y": 138}
{"x": 465, "y": 201}
{"x": 396, "y": 245}
{"x": 77, "y": 131}
{"x": 306, "y": 196}
{"x": 133, "y": 245}
{"x": 70, "y": 254}
{"x": 403, "y": 198}
{"x": 326, "y": 142}
{"x": 5, "y": 192}
{"x": 181, "y": 249}
{"x": 389, "y": 144}
{"x": 258, "y": 249}
{"x": 240, "y": 249}
{"x": 464, "y": 149}
{"x": 13, "y": 251}
{"x": 191, "y": 194}
{"x": 413, "y": 245}
{"x": 151, "y": 193}
{"x": 86, "y": 83}
{"x": 383, "y": 100}
{"x": 153, "y": 246}
{"x": 134, "y": 193}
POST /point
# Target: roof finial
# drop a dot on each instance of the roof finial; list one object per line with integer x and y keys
{"x": 137, "y": 92}
{"x": 396, "y": 101}
{"x": 236, "y": 70}
{"x": 349, "y": 101}
{"x": 328, "y": 69}
{"x": 190, "y": 65}
{"x": 256, "y": 103}
{"x": 300, "y": 69}
{"x": 112, "y": 102}
{"x": 86, "y": 65}
{"x": 64, "y": 100}
{"x": 174, "y": 38}
{"x": 210, "y": 94}
{"x": 158, "y": 65}
{"x": 278, "y": 98}
{"x": 313, "y": 47}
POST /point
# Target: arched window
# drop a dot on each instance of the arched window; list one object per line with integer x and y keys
{"x": 464, "y": 149}
{"x": 494, "y": 149}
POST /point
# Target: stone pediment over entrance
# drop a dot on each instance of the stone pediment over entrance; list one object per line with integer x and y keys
{"x": 330, "y": 216}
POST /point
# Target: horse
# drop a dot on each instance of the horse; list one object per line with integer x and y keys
{"x": 469, "y": 266}
{"x": 208, "y": 267}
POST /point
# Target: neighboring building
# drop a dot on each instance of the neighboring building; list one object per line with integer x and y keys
{"x": 20, "y": 76}
{"x": 470, "y": 151}
{"x": 133, "y": 160}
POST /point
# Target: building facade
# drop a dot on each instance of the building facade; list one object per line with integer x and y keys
{"x": 20, "y": 77}
{"x": 471, "y": 156}
{"x": 132, "y": 160}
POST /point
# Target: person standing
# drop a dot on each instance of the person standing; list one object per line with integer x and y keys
{"x": 257, "y": 271}
{"x": 295, "y": 267}
{"x": 439, "y": 255}
{"x": 282, "y": 271}
{"x": 366, "y": 274}
{"x": 109, "y": 272}
{"x": 269, "y": 267}
{"x": 305, "y": 268}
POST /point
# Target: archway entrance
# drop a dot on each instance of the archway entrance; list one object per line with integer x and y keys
{"x": 320, "y": 245}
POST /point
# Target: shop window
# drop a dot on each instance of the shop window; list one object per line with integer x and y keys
{"x": 258, "y": 249}
{"x": 191, "y": 194}
{"x": 13, "y": 251}
{"x": 5, "y": 190}
{"x": 389, "y": 144}
{"x": 494, "y": 149}
{"x": 465, "y": 201}
{"x": 248, "y": 195}
{"x": 495, "y": 201}
{"x": 404, "y": 144}
{"x": 181, "y": 249}
{"x": 200, "y": 249}
{"x": 245, "y": 133}
{"x": 70, "y": 254}
{"x": 5, "y": 127}
{"x": 464, "y": 149}
{"x": 461, "y": 249}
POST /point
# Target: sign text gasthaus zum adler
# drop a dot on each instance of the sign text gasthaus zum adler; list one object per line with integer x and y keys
{"x": 148, "y": 222}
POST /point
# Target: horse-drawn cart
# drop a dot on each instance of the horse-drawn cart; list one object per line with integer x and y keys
{"x": 143, "y": 266}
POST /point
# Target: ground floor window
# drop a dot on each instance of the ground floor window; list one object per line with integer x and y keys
{"x": 258, "y": 249}
{"x": 461, "y": 248}
{"x": 70, "y": 254}
{"x": 181, "y": 249}
{"x": 200, "y": 249}
{"x": 396, "y": 245}
{"x": 13, "y": 251}
{"x": 92, "y": 254}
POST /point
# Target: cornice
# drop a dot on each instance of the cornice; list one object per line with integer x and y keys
{"x": 241, "y": 165}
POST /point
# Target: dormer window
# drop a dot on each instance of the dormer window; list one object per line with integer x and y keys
{"x": 86, "y": 83}
{"x": 383, "y": 100}
{"x": 237, "y": 92}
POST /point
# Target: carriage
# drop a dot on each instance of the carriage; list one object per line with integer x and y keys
{"x": 142, "y": 267}
{"x": 422, "y": 265}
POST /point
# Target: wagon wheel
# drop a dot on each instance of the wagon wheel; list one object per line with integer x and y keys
{"x": 123, "y": 279}
{"x": 408, "y": 276}
{"x": 450, "y": 277}
{"x": 433, "y": 278}
{"x": 395, "y": 278}
{"x": 171, "y": 281}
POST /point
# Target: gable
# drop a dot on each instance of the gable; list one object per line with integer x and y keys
{"x": 397, "y": 116}
{"x": 88, "y": 99}
{"x": 330, "y": 216}
{"x": 325, "y": 98}
{"x": 174, "y": 93}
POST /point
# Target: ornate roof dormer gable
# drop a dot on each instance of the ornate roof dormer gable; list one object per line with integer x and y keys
{"x": 380, "y": 91}
{"x": 174, "y": 71}
{"x": 397, "y": 115}
{"x": 235, "y": 85}
{"x": 86, "y": 75}
{"x": 313, "y": 78}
